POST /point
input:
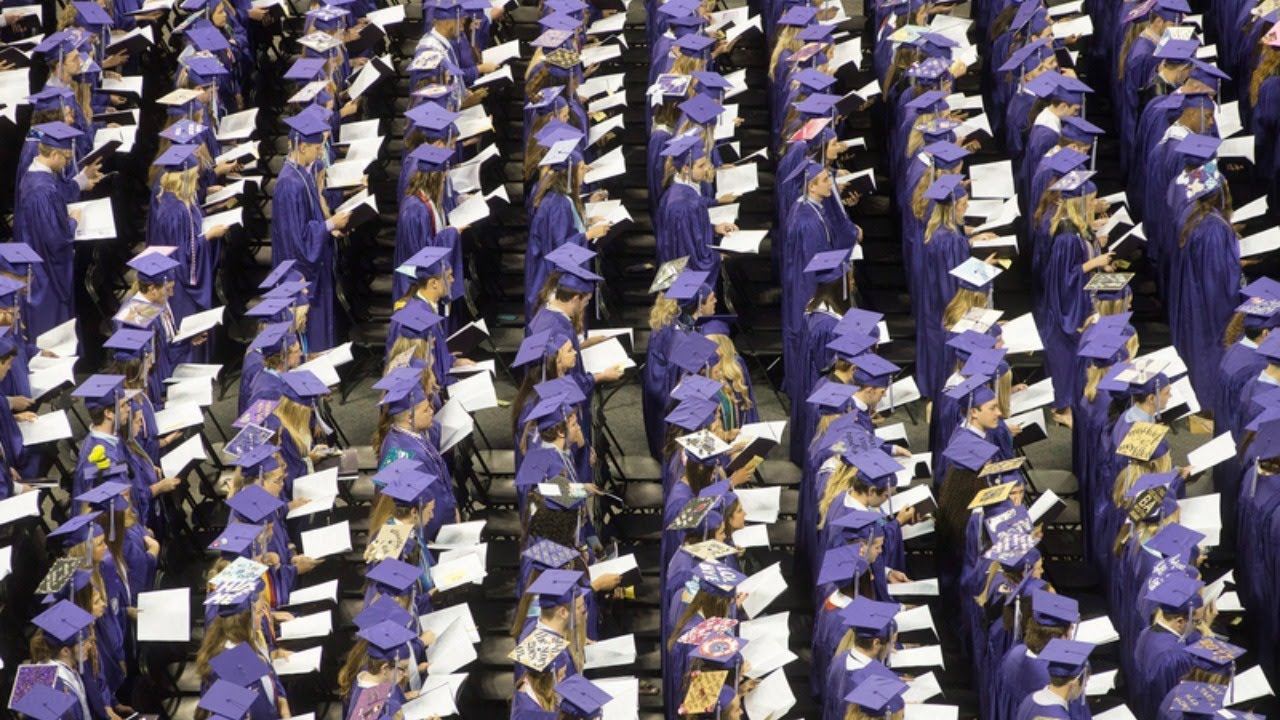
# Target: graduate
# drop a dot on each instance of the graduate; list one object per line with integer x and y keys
{"x": 1159, "y": 659}
{"x": 1068, "y": 670}
{"x": 685, "y": 230}
{"x": 421, "y": 220}
{"x": 411, "y": 414}
{"x": 43, "y": 222}
{"x": 1022, "y": 672}
{"x": 301, "y": 225}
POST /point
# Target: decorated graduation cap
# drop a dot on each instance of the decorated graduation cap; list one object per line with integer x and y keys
{"x": 1014, "y": 551}
{"x": 1201, "y": 181}
{"x": 549, "y": 555}
{"x": 1213, "y": 655}
{"x": 717, "y": 578}
{"x": 1177, "y": 595}
{"x": 1199, "y": 701}
{"x": 974, "y": 274}
{"x": 561, "y": 62}
{"x": 929, "y": 71}
{"x": 878, "y": 696}
{"x": 1066, "y": 658}
{"x": 580, "y": 698}
{"x": 541, "y": 651}
{"x": 1075, "y": 184}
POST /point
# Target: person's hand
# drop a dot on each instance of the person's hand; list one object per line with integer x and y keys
{"x": 260, "y": 14}
{"x": 1184, "y": 472}
{"x": 351, "y": 108}
{"x": 305, "y": 564}
{"x": 225, "y": 167}
{"x": 463, "y": 362}
{"x": 475, "y": 97}
{"x": 280, "y": 653}
{"x": 906, "y": 515}
{"x": 899, "y": 451}
{"x": 93, "y": 171}
{"x": 168, "y": 484}
{"x": 151, "y": 545}
{"x": 485, "y": 68}
{"x": 725, "y": 228}
{"x": 272, "y": 559}
{"x": 606, "y": 582}
{"x": 200, "y": 339}
{"x": 595, "y": 232}
{"x": 613, "y": 373}
{"x": 1099, "y": 262}
{"x": 896, "y": 576}
{"x": 13, "y": 19}
{"x": 216, "y": 232}
{"x": 74, "y": 215}
{"x": 1018, "y": 388}
{"x": 598, "y": 196}
{"x": 727, "y": 198}
{"x": 496, "y": 14}
{"x": 116, "y": 60}
{"x": 18, "y": 403}
{"x": 25, "y": 417}
{"x": 340, "y": 220}
{"x": 318, "y": 453}
{"x": 743, "y": 475}
{"x": 1014, "y": 430}
{"x": 851, "y": 198}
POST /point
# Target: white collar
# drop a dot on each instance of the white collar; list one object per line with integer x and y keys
{"x": 1248, "y": 343}
{"x": 853, "y": 502}
{"x": 37, "y": 166}
{"x": 1047, "y": 118}
{"x": 1045, "y": 698}
{"x": 856, "y": 660}
{"x": 687, "y": 183}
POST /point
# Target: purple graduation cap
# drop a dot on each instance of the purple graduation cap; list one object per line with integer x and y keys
{"x": 306, "y": 70}
{"x": 227, "y": 700}
{"x": 701, "y": 109}
{"x": 237, "y": 540}
{"x": 387, "y": 640}
{"x": 239, "y": 665}
{"x": 429, "y": 262}
{"x": 394, "y": 577}
{"x": 434, "y": 121}
{"x": 1053, "y": 610}
{"x": 968, "y": 450}
{"x": 307, "y": 128}
{"x": 692, "y": 352}
{"x": 871, "y": 370}
{"x": 870, "y": 619}
{"x": 56, "y": 134}
{"x": 549, "y": 555}
{"x": 580, "y": 698}
{"x": 253, "y": 503}
{"x": 42, "y": 702}
{"x": 1066, "y": 658}
{"x": 416, "y": 320}
{"x": 693, "y": 414}
{"x": 300, "y": 386}
{"x": 878, "y": 695}
{"x": 690, "y": 288}
{"x": 843, "y": 564}
{"x": 567, "y": 260}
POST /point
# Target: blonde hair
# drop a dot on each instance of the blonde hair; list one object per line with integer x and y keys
{"x": 663, "y": 313}
{"x": 786, "y": 41}
{"x": 1077, "y": 211}
{"x": 295, "y": 419}
{"x": 1134, "y": 470}
{"x": 731, "y": 371}
{"x": 838, "y": 484}
{"x": 182, "y": 184}
{"x": 961, "y": 303}
{"x": 943, "y": 216}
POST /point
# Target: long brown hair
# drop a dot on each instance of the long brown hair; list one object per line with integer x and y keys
{"x": 704, "y": 604}
{"x": 564, "y": 182}
{"x": 1204, "y": 207}
{"x": 233, "y": 629}
{"x": 1267, "y": 67}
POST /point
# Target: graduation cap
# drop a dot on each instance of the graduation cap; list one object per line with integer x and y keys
{"x": 975, "y": 274}
{"x": 1026, "y": 58}
{"x": 302, "y": 385}
{"x": 836, "y": 397}
{"x": 63, "y": 623}
{"x": 798, "y": 16}
{"x": 987, "y": 362}
{"x": 567, "y": 260}
{"x": 1198, "y": 701}
{"x": 42, "y": 702}
{"x": 721, "y": 651}
{"x": 843, "y": 564}
{"x": 436, "y": 123}
{"x": 1054, "y": 610}
{"x": 1013, "y": 550}
{"x": 409, "y": 489}
{"x": 969, "y": 451}
{"x": 946, "y": 188}
{"x": 870, "y": 619}
{"x": 415, "y": 320}
{"x": 560, "y": 22}
{"x": 393, "y": 577}
{"x": 102, "y": 391}
{"x": 327, "y": 18}
{"x": 718, "y": 579}
{"x": 580, "y": 698}
{"x": 306, "y": 127}
{"x": 1066, "y": 658}
{"x": 561, "y": 61}
{"x": 695, "y": 45}
{"x": 818, "y": 105}
{"x": 204, "y": 70}
{"x": 254, "y": 503}
{"x": 9, "y": 289}
{"x": 540, "y": 649}
{"x": 555, "y": 587}
{"x": 692, "y": 352}
{"x": 227, "y": 700}
{"x": 705, "y": 691}
{"x": 306, "y": 70}
{"x": 1077, "y": 129}
{"x": 16, "y": 258}
{"x": 1175, "y": 540}
{"x": 60, "y": 574}
{"x": 693, "y": 513}
{"x": 56, "y": 134}
{"x": 206, "y": 37}
{"x": 550, "y": 412}
{"x": 91, "y": 16}
{"x": 701, "y": 108}
{"x": 237, "y": 540}
{"x": 928, "y": 101}
{"x": 871, "y": 370}
{"x": 274, "y": 338}
{"x": 878, "y": 695}
{"x": 946, "y": 156}
{"x": 184, "y": 131}
{"x": 1213, "y": 655}
{"x": 1177, "y": 595}
{"x": 853, "y": 347}
{"x": 240, "y": 665}
{"x": 154, "y": 268}
{"x": 549, "y": 555}
{"x": 78, "y": 529}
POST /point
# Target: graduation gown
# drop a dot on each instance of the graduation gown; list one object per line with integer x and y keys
{"x": 1159, "y": 663}
{"x": 1043, "y": 705}
{"x": 657, "y": 382}
{"x": 417, "y": 227}
{"x": 40, "y": 220}
{"x": 1202, "y": 295}
{"x": 525, "y": 707}
{"x": 553, "y": 223}
{"x": 683, "y": 228}
{"x": 400, "y": 443}
{"x": 809, "y": 232}
{"x": 945, "y": 250}
{"x": 1068, "y": 305}
{"x": 299, "y": 232}
{"x": 176, "y": 223}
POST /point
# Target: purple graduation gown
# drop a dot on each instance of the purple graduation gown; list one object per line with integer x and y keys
{"x": 400, "y": 443}
{"x": 684, "y": 229}
{"x": 40, "y": 220}
{"x": 416, "y": 229}
{"x": 299, "y": 233}
{"x": 945, "y": 250}
{"x": 1202, "y": 295}
{"x": 1068, "y": 306}
{"x": 554, "y": 222}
